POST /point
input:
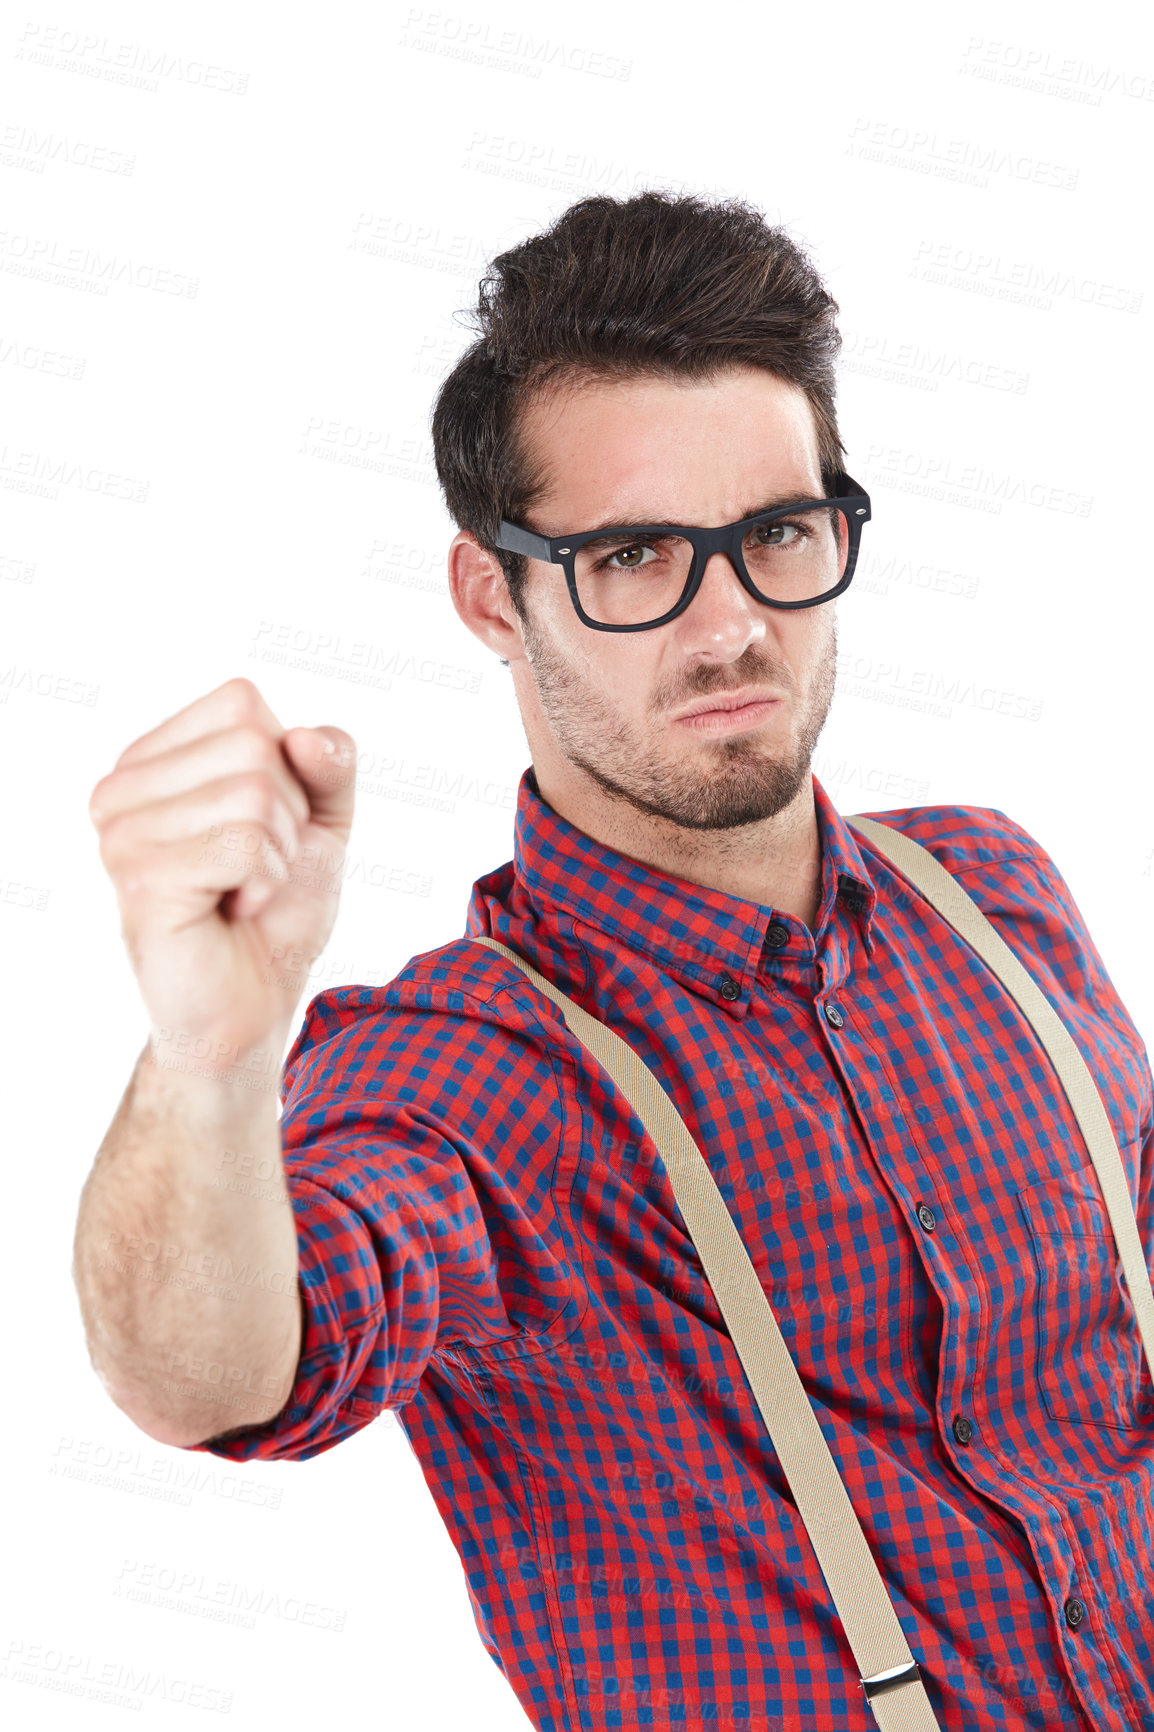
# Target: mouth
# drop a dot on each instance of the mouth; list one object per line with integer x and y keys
{"x": 731, "y": 711}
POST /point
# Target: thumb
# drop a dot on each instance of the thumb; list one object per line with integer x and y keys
{"x": 328, "y": 776}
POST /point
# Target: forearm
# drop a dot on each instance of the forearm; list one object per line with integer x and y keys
{"x": 186, "y": 1253}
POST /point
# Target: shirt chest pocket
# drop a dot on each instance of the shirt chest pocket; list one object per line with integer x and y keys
{"x": 1089, "y": 1360}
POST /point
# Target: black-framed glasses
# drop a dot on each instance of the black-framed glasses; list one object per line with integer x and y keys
{"x": 639, "y": 576}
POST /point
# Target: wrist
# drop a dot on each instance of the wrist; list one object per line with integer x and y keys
{"x": 215, "y": 1075}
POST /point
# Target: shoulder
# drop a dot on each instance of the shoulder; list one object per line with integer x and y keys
{"x": 1005, "y": 870}
{"x": 962, "y": 838}
{"x": 1020, "y": 888}
{"x": 445, "y": 1011}
{"x": 1000, "y": 864}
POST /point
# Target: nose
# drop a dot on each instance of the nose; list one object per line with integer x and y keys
{"x": 723, "y": 619}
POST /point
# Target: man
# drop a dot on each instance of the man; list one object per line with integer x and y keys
{"x": 485, "y": 1241}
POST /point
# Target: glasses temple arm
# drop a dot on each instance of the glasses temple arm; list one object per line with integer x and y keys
{"x": 517, "y": 540}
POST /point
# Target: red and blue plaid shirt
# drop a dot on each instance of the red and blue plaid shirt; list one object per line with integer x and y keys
{"x": 490, "y": 1247}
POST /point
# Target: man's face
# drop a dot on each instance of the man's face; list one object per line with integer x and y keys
{"x": 607, "y": 706}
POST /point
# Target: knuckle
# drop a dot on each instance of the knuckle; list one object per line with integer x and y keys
{"x": 96, "y": 799}
{"x": 256, "y": 743}
{"x": 243, "y": 695}
{"x": 112, "y": 832}
{"x": 243, "y": 706}
{"x": 258, "y": 794}
{"x": 130, "y": 753}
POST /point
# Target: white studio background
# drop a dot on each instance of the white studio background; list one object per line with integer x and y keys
{"x": 232, "y": 242}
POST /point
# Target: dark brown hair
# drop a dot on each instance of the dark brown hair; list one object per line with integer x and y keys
{"x": 658, "y": 284}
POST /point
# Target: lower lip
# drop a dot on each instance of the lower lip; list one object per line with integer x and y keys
{"x": 729, "y": 721}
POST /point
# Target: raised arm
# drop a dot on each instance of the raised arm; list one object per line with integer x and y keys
{"x": 224, "y": 837}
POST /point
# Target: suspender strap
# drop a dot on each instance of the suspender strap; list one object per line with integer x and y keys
{"x": 888, "y": 1672}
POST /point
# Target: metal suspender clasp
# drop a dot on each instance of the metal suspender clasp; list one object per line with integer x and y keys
{"x": 896, "y": 1675}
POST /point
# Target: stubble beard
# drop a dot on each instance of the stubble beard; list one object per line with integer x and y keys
{"x": 719, "y": 783}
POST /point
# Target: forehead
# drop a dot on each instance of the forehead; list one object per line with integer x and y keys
{"x": 657, "y": 450}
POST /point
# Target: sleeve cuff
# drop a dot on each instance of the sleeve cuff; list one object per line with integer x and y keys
{"x": 333, "y": 1393}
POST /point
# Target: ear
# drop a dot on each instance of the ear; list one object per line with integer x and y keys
{"x": 481, "y": 597}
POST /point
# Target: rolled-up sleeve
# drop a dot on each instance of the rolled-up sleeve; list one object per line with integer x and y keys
{"x": 416, "y": 1150}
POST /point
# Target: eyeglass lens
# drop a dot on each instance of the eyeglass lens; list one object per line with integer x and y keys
{"x": 629, "y": 581}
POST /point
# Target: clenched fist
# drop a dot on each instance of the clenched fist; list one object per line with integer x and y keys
{"x": 225, "y": 836}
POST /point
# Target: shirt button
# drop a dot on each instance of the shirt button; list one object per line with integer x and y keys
{"x": 927, "y": 1217}
{"x": 963, "y": 1430}
{"x": 1075, "y": 1612}
{"x": 728, "y": 987}
{"x": 776, "y": 935}
{"x": 833, "y": 1015}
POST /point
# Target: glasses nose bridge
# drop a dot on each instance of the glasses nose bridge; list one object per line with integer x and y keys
{"x": 725, "y": 540}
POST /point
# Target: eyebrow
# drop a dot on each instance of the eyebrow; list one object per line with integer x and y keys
{"x": 612, "y": 526}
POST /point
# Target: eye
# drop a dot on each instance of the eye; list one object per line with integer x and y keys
{"x": 774, "y": 534}
{"x": 630, "y": 556}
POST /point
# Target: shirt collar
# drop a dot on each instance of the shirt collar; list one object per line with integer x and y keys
{"x": 698, "y": 933}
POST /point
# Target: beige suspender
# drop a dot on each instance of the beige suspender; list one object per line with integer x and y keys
{"x": 889, "y": 1674}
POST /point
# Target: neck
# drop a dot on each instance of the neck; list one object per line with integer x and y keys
{"x": 775, "y": 862}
